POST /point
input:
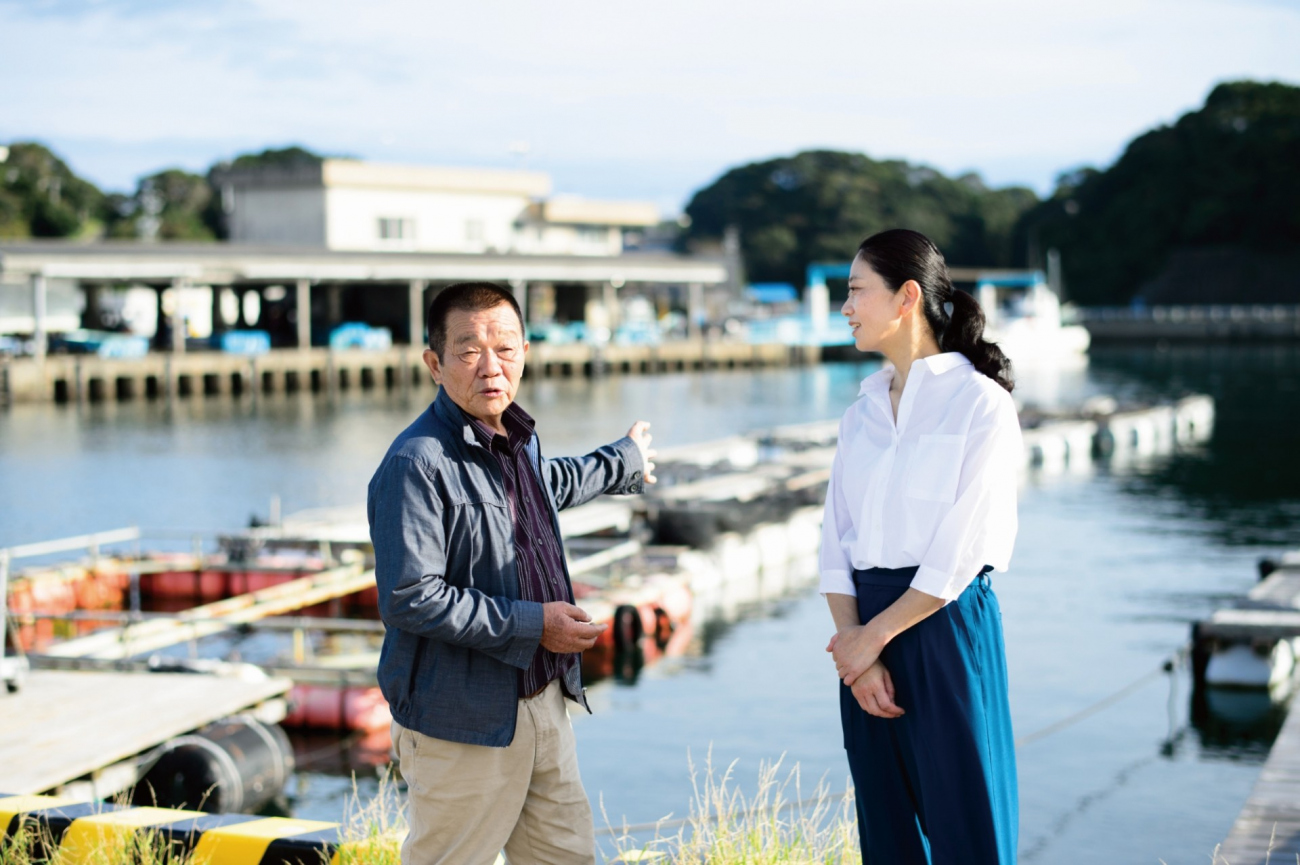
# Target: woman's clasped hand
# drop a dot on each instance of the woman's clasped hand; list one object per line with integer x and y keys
{"x": 871, "y": 684}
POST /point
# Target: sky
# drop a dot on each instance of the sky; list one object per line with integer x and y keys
{"x": 623, "y": 100}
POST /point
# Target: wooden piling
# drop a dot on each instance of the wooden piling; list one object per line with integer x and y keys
{"x": 171, "y": 375}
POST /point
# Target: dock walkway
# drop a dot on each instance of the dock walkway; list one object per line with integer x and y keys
{"x": 65, "y": 726}
{"x": 1268, "y": 828}
{"x": 131, "y": 639}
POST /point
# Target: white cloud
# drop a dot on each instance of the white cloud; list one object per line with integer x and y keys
{"x": 656, "y": 98}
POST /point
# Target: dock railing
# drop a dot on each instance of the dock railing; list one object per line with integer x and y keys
{"x": 91, "y": 543}
{"x": 130, "y": 622}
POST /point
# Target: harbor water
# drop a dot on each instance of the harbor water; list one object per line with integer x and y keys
{"x": 1109, "y": 569}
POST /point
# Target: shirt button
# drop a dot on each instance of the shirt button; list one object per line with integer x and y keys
{"x": 636, "y": 477}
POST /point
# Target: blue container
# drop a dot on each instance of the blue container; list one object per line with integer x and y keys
{"x": 246, "y": 342}
{"x": 123, "y": 345}
{"x": 356, "y": 334}
{"x": 772, "y": 292}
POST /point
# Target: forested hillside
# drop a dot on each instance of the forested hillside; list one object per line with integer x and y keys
{"x": 1204, "y": 210}
{"x": 817, "y": 206}
{"x": 40, "y": 196}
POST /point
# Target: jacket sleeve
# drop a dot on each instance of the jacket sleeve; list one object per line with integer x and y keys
{"x": 406, "y": 527}
{"x": 616, "y": 469}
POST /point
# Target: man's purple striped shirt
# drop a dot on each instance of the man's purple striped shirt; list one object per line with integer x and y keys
{"x": 539, "y": 556}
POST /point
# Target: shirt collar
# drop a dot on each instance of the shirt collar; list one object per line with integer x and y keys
{"x": 518, "y": 423}
{"x": 878, "y": 380}
{"x": 937, "y": 364}
{"x": 949, "y": 360}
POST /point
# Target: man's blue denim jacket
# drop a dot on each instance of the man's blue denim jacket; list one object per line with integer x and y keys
{"x": 458, "y": 635}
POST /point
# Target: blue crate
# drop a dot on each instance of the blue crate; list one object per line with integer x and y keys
{"x": 355, "y": 334}
{"x": 246, "y": 342}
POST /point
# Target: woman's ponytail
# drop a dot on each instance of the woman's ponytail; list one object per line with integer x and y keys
{"x": 954, "y": 316}
{"x": 965, "y": 333}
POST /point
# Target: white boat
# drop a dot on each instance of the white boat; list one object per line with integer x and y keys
{"x": 1023, "y": 317}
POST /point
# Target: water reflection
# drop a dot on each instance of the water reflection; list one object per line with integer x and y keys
{"x": 1245, "y": 486}
{"x": 1236, "y": 724}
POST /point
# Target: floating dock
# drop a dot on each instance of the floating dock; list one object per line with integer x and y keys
{"x": 1252, "y": 645}
{"x": 1123, "y": 436}
{"x": 1255, "y": 642}
{"x": 124, "y": 641}
{"x": 80, "y": 734}
{"x": 1268, "y": 828}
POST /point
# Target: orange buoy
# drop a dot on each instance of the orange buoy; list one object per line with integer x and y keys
{"x": 328, "y": 707}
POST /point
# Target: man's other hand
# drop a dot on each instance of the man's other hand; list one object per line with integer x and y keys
{"x": 566, "y": 628}
{"x": 640, "y": 433}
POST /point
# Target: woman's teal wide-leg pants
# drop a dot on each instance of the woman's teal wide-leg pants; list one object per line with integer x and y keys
{"x": 936, "y": 786}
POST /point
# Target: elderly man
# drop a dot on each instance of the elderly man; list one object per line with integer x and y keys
{"x": 483, "y": 641}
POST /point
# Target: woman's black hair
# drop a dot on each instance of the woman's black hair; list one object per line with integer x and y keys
{"x": 954, "y": 316}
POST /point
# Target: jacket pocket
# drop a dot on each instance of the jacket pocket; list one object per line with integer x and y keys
{"x": 935, "y": 469}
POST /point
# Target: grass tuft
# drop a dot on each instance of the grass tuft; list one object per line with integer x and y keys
{"x": 775, "y": 825}
{"x": 373, "y": 830}
{"x": 25, "y": 847}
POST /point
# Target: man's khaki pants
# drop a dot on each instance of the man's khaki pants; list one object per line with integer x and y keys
{"x": 468, "y": 802}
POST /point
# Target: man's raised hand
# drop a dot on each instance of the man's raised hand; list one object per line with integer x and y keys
{"x": 640, "y": 434}
{"x": 567, "y": 628}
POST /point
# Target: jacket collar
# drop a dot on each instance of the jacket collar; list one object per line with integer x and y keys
{"x": 520, "y": 423}
{"x": 446, "y": 410}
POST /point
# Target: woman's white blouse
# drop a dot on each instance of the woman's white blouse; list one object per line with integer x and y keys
{"x": 936, "y": 490}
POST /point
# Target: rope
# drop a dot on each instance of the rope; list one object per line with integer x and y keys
{"x": 1166, "y": 666}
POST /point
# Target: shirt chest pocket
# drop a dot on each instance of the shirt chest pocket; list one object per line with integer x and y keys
{"x": 935, "y": 469}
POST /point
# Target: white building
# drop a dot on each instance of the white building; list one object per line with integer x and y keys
{"x": 345, "y": 204}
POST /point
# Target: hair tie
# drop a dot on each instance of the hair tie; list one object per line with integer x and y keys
{"x": 947, "y": 308}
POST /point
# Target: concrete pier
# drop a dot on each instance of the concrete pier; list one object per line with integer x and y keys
{"x": 1223, "y": 323}
{"x": 87, "y": 378}
{"x": 302, "y": 294}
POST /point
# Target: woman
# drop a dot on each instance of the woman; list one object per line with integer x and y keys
{"x": 920, "y": 507}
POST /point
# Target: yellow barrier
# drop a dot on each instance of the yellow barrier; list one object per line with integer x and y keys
{"x": 78, "y": 829}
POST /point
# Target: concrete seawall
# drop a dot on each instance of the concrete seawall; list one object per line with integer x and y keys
{"x": 163, "y": 375}
{"x": 1241, "y": 323}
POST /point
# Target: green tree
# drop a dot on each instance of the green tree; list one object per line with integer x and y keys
{"x": 41, "y": 197}
{"x": 284, "y": 157}
{"x": 168, "y": 205}
{"x": 1224, "y": 176}
{"x": 819, "y": 205}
